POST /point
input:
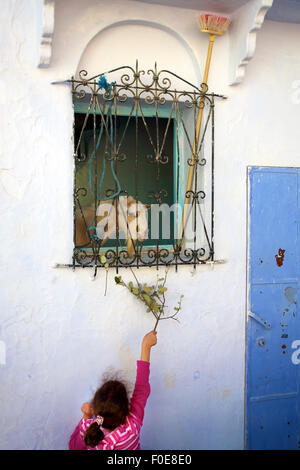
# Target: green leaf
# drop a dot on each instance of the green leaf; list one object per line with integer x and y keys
{"x": 118, "y": 279}
{"x": 103, "y": 259}
{"x": 130, "y": 285}
{"x": 161, "y": 290}
{"x": 135, "y": 291}
{"x": 147, "y": 298}
{"x": 106, "y": 265}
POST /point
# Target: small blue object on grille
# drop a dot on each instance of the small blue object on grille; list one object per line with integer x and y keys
{"x": 102, "y": 82}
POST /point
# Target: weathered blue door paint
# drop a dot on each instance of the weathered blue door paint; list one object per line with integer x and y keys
{"x": 273, "y": 324}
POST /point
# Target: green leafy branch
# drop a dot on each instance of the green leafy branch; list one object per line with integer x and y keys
{"x": 152, "y": 296}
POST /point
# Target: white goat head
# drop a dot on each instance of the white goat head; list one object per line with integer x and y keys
{"x": 132, "y": 220}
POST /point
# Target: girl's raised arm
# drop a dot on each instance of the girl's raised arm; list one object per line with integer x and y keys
{"x": 142, "y": 387}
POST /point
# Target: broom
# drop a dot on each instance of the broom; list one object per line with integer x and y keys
{"x": 212, "y": 25}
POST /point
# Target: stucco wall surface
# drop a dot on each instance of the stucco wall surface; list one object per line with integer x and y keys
{"x": 60, "y": 332}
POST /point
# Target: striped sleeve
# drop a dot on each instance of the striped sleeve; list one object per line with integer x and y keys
{"x": 76, "y": 441}
{"x": 141, "y": 391}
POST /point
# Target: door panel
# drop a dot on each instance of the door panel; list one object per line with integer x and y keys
{"x": 279, "y": 430}
{"x": 272, "y": 379}
{"x": 273, "y": 224}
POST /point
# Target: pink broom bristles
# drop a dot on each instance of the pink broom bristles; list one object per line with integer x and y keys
{"x": 213, "y": 24}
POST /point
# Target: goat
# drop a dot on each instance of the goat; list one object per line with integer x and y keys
{"x": 132, "y": 221}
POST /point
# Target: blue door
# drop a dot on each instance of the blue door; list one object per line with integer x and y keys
{"x": 273, "y": 324}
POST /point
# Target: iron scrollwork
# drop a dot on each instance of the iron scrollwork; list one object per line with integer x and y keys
{"x": 135, "y": 94}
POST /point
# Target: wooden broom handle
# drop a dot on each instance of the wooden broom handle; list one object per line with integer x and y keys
{"x": 198, "y": 126}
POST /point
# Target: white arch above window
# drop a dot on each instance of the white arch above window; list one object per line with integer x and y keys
{"x": 124, "y": 42}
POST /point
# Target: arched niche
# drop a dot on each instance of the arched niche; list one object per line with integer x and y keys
{"x": 125, "y": 42}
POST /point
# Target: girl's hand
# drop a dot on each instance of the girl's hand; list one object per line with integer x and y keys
{"x": 87, "y": 410}
{"x": 149, "y": 340}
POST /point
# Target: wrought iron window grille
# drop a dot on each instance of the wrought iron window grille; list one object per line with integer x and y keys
{"x": 138, "y": 111}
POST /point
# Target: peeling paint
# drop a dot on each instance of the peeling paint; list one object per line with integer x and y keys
{"x": 169, "y": 380}
{"x": 280, "y": 257}
{"x": 127, "y": 357}
{"x": 290, "y": 294}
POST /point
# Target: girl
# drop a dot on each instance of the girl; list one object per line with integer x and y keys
{"x": 109, "y": 422}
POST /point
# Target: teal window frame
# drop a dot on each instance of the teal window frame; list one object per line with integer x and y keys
{"x": 125, "y": 110}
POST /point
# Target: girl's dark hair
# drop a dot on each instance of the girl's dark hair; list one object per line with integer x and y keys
{"x": 111, "y": 402}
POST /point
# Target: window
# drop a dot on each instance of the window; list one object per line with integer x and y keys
{"x": 137, "y": 172}
{"x": 135, "y": 146}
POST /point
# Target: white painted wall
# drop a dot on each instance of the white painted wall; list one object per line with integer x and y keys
{"x": 60, "y": 332}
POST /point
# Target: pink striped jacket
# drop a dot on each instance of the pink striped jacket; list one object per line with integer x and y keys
{"x": 126, "y": 436}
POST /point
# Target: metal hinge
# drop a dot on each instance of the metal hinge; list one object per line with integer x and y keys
{"x": 259, "y": 320}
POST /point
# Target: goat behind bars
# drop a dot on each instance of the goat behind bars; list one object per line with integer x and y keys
{"x": 132, "y": 221}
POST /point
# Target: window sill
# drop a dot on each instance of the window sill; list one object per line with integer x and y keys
{"x": 66, "y": 265}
